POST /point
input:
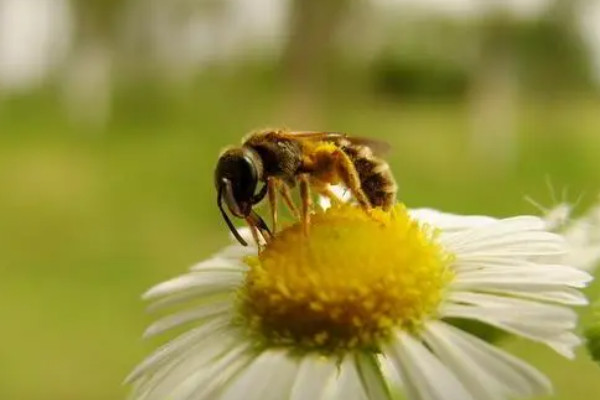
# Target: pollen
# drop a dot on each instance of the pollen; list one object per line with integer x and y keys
{"x": 348, "y": 283}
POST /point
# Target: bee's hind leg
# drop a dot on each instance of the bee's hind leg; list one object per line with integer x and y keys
{"x": 306, "y": 201}
{"x": 349, "y": 175}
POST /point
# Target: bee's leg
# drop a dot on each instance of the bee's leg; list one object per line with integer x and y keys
{"x": 349, "y": 175}
{"x": 273, "y": 184}
{"x": 306, "y": 200}
{"x": 255, "y": 234}
{"x": 284, "y": 189}
{"x": 258, "y": 228}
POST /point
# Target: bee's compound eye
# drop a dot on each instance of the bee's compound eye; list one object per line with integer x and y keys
{"x": 247, "y": 179}
{"x": 237, "y": 167}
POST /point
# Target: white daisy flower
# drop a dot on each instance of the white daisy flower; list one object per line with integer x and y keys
{"x": 365, "y": 305}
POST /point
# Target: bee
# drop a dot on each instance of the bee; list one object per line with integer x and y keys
{"x": 314, "y": 160}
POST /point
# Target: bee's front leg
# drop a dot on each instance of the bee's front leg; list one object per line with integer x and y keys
{"x": 259, "y": 229}
{"x": 347, "y": 172}
{"x": 258, "y": 238}
{"x": 304, "y": 180}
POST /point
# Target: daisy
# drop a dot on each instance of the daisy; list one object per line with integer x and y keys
{"x": 366, "y": 307}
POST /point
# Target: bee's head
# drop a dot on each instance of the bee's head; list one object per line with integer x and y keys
{"x": 236, "y": 178}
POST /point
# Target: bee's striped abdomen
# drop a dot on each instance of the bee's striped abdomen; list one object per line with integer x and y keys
{"x": 377, "y": 181}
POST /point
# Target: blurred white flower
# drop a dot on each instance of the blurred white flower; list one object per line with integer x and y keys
{"x": 364, "y": 302}
{"x": 582, "y": 234}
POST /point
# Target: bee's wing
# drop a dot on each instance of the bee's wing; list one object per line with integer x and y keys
{"x": 308, "y": 135}
{"x": 379, "y": 147}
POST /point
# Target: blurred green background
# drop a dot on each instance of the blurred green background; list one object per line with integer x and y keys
{"x": 112, "y": 114}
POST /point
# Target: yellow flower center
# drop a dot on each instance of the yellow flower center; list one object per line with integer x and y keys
{"x": 348, "y": 283}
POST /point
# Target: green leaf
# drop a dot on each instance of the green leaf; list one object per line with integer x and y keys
{"x": 592, "y": 334}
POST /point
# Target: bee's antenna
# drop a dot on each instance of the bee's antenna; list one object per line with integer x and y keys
{"x": 232, "y": 228}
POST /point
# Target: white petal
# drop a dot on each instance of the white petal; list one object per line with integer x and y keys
{"x": 448, "y": 222}
{"x": 546, "y": 323}
{"x": 426, "y": 377}
{"x": 207, "y": 383}
{"x": 470, "y": 262}
{"x": 523, "y": 244}
{"x": 197, "y": 313}
{"x": 499, "y": 228}
{"x": 390, "y": 374}
{"x": 486, "y": 371}
{"x": 182, "y": 343}
{"x": 269, "y": 377}
{"x": 518, "y": 236}
{"x": 565, "y": 343}
{"x": 347, "y": 386}
{"x": 407, "y": 386}
{"x": 197, "y": 378}
{"x": 222, "y": 264}
{"x": 314, "y": 375}
{"x": 178, "y": 298}
{"x": 500, "y": 306}
{"x": 544, "y": 282}
{"x": 231, "y": 257}
{"x": 531, "y": 275}
{"x": 515, "y": 224}
{"x": 193, "y": 365}
{"x": 371, "y": 376}
{"x": 202, "y": 283}
{"x": 568, "y": 296}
